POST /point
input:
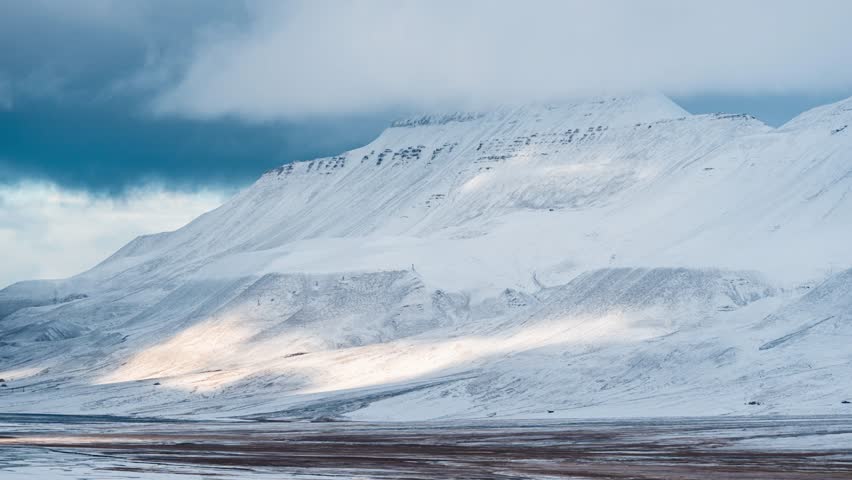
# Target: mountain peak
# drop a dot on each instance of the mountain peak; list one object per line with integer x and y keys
{"x": 611, "y": 110}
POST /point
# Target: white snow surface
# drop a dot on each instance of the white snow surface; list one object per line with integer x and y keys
{"x": 608, "y": 257}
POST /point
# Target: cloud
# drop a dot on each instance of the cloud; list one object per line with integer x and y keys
{"x": 271, "y": 59}
{"x": 83, "y": 47}
{"x": 80, "y": 91}
{"x": 317, "y": 56}
{"x": 109, "y": 147}
{"x": 6, "y": 102}
{"x": 50, "y": 232}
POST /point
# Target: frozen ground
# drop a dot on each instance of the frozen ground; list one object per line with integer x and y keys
{"x": 776, "y": 448}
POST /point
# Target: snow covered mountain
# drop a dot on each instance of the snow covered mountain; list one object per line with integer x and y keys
{"x": 606, "y": 257}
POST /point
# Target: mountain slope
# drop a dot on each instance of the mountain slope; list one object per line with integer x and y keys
{"x": 611, "y": 256}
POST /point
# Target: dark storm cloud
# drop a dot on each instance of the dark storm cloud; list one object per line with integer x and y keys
{"x": 105, "y": 147}
{"x": 76, "y": 83}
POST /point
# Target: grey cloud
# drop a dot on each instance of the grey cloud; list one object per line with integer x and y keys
{"x": 318, "y": 57}
{"x": 6, "y": 99}
{"x": 261, "y": 59}
{"x": 59, "y": 49}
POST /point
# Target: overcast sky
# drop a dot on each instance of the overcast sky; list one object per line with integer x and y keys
{"x": 114, "y": 111}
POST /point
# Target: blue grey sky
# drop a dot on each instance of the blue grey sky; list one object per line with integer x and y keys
{"x": 113, "y": 107}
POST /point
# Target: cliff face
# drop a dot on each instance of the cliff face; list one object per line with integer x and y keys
{"x": 611, "y": 256}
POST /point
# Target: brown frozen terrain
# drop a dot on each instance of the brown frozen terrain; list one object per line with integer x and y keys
{"x": 700, "y": 449}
